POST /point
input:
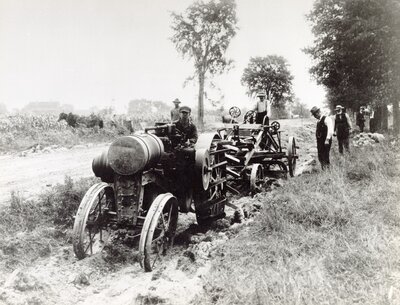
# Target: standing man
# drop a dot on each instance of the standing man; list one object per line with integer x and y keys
{"x": 175, "y": 111}
{"x": 342, "y": 128}
{"x": 261, "y": 109}
{"x": 360, "y": 119}
{"x": 185, "y": 126}
{"x": 323, "y": 134}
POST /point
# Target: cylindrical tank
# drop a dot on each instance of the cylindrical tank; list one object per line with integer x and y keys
{"x": 131, "y": 154}
{"x": 101, "y": 167}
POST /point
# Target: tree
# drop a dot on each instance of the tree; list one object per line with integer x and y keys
{"x": 356, "y": 51}
{"x": 271, "y": 74}
{"x": 300, "y": 109}
{"x": 203, "y": 34}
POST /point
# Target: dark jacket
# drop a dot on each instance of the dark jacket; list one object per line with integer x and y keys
{"x": 322, "y": 131}
{"x": 360, "y": 119}
{"x": 342, "y": 126}
{"x": 189, "y": 132}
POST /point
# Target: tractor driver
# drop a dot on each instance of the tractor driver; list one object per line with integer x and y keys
{"x": 185, "y": 125}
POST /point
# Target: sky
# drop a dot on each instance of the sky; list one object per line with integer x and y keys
{"x": 105, "y": 53}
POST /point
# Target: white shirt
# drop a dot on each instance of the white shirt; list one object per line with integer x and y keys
{"x": 329, "y": 123}
{"x": 262, "y": 105}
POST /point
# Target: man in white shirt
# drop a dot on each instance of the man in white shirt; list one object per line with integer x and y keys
{"x": 261, "y": 109}
{"x": 324, "y": 135}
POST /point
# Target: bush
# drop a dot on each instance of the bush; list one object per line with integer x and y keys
{"x": 62, "y": 201}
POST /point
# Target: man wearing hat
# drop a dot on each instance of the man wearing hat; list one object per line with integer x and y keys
{"x": 175, "y": 111}
{"x": 261, "y": 109}
{"x": 360, "y": 119}
{"x": 324, "y": 135}
{"x": 342, "y": 128}
{"x": 185, "y": 126}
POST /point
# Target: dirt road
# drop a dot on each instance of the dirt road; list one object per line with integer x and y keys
{"x": 31, "y": 174}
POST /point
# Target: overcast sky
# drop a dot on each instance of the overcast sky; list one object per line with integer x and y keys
{"x": 101, "y": 52}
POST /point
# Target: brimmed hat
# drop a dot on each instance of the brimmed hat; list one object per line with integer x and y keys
{"x": 314, "y": 109}
{"x": 338, "y": 107}
{"x": 185, "y": 109}
{"x": 261, "y": 93}
{"x": 176, "y": 101}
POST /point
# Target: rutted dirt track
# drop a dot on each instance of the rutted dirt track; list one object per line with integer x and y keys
{"x": 61, "y": 279}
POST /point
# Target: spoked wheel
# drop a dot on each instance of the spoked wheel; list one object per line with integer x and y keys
{"x": 275, "y": 126}
{"x": 235, "y": 112}
{"x": 158, "y": 230}
{"x": 249, "y": 117}
{"x": 256, "y": 178}
{"x": 90, "y": 230}
{"x": 292, "y": 156}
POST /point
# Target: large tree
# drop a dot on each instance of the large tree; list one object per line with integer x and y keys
{"x": 356, "y": 51}
{"x": 203, "y": 33}
{"x": 270, "y": 73}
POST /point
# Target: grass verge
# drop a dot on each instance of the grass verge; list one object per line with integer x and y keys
{"x": 325, "y": 238}
{"x": 31, "y": 229}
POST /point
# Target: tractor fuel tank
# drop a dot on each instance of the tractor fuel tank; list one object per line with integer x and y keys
{"x": 101, "y": 167}
{"x": 129, "y": 155}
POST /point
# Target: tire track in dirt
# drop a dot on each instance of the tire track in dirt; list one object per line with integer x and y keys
{"x": 30, "y": 175}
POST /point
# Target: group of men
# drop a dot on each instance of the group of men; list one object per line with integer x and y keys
{"x": 326, "y": 127}
{"x": 180, "y": 116}
{"x": 340, "y": 127}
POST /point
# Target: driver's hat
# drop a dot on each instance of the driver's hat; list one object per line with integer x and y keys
{"x": 261, "y": 93}
{"x": 185, "y": 109}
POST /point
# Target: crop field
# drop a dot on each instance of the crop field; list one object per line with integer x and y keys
{"x": 22, "y": 131}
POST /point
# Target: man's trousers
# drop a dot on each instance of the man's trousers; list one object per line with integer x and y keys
{"x": 323, "y": 153}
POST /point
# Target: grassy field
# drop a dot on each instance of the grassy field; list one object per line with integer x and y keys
{"x": 325, "y": 238}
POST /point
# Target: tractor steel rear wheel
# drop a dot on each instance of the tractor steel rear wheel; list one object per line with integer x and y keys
{"x": 90, "y": 230}
{"x": 158, "y": 230}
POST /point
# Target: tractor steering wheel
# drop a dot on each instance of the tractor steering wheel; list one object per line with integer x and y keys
{"x": 249, "y": 117}
{"x": 234, "y": 112}
{"x": 275, "y": 125}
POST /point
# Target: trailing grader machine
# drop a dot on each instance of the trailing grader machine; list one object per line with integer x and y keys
{"x": 255, "y": 151}
{"x": 148, "y": 178}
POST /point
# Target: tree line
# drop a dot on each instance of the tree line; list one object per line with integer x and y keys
{"x": 356, "y": 52}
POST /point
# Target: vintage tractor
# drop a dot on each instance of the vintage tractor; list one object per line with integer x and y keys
{"x": 146, "y": 179}
{"x": 254, "y": 151}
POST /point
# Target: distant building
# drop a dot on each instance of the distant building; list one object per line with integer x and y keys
{"x": 142, "y": 106}
{"x": 47, "y": 108}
